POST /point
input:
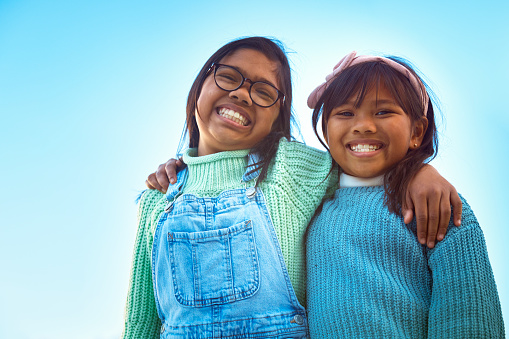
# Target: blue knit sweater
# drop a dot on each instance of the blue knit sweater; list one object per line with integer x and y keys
{"x": 368, "y": 277}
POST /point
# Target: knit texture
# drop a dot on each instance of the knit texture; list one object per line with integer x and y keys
{"x": 297, "y": 180}
{"x": 141, "y": 319}
{"x": 368, "y": 277}
{"x": 212, "y": 174}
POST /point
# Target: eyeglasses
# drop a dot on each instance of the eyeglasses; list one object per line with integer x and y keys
{"x": 230, "y": 79}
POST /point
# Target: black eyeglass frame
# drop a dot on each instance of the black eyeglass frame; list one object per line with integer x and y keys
{"x": 244, "y": 79}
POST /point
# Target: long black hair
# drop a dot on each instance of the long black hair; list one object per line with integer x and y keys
{"x": 265, "y": 149}
{"x": 355, "y": 82}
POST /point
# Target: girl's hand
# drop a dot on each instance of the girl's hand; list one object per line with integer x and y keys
{"x": 165, "y": 174}
{"x": 432, "y": 197}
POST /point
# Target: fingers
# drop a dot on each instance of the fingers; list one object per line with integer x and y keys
{"x": 149, "y": 185}
{"x": 165, "y": 174}
{"x": 432, "y": 197}
{"x": 449, "y": 201}
{"x": 152, "y": 183}
{"x": 162, "y": 178}
{"x": 433, "y": 214}
{"x": 407, "y": 210}
{"x": 445, "y": 216}
{"x": 180, "y": 163}
{"x": 171, "y": 170}
{"x": 457, "y": 207}
{"x": 421, "y": 217}
{"x": 433, "y": 217}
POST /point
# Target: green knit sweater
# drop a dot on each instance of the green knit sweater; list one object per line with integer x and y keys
{"x": 296, "y": 183}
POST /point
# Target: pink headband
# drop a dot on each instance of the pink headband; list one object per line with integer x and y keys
{"x": 351, "y": 59}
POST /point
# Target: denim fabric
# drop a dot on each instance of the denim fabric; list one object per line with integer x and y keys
{"x": 218, "y": 270}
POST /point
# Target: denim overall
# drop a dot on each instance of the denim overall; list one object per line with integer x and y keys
{"x": 218, "y": 270}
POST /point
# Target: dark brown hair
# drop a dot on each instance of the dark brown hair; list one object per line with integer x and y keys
{"x": 265, "y": 149}
{"x": 356, "y": 81}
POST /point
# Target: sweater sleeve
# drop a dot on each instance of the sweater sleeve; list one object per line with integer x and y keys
{"x": 464, "y": 300}
{"x": 306, "y": 171}
{"x": 141, "y": 319}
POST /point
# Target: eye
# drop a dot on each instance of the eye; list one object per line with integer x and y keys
{"x": 264, "y": 94}
{"x": 226, "y": 77}
{"x": 343, "y": 114}
{"x": 384, "y": 112}
{"x": 264, "y": 91}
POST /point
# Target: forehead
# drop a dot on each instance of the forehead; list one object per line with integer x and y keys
{"x": 253, "y": 64}
{"x": 380, "y": 92}
{"x": 374, "y": 93}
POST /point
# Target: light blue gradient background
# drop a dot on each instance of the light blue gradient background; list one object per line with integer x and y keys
{"x": 92, "y": 99}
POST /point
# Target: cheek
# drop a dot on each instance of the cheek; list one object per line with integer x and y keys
{"x": 201, "y": 101}
{"x": 273, "y": 120}
{"x": 326, "y": 129}
{"x": 206, "y": 92}
{"x": 333, "y": 131}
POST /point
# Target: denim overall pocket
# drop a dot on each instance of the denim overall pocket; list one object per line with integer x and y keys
{"x": 214, "y": 267}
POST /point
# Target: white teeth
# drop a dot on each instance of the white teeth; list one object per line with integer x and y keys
{"x": 364, "y": 148}
{"x": 233, "y": 116}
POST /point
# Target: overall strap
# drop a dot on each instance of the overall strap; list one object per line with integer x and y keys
{"x": 252, "y": 160}
{"x": 175, "y": 190}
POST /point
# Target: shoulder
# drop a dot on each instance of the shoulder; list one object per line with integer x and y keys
{"x": 303, "y": 166}
{"x": 150, "y": 205}
{"x": 469, "y": 221}
{"x": 299, "y": 150}
{"x": 298, "y": 159}
{"x": 467, "y": 214}
{"x": 148, "y": 199}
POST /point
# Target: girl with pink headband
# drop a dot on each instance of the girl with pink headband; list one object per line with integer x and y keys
{"x": 367, "y": 274}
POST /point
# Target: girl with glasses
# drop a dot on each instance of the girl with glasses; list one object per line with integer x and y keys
{"x": 221, "y": 253}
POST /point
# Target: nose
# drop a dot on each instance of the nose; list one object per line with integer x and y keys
{"x": 364, "y": 124}
{"x": 242, "y": 94}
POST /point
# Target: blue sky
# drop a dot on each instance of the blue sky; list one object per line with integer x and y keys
{"x": 92, "y": 99}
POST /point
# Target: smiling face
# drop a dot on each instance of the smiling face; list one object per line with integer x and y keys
{"x": 230, "y": 120}
{"x": 369, "y": 139}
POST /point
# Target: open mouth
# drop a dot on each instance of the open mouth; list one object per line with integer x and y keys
{"x": 233, "y": 116}
{"x": 364, "y": 147}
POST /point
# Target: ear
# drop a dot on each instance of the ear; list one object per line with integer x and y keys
{"x": 418, "y": 131}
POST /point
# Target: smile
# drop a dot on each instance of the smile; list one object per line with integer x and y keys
{"x": 233, "y": 116}
{"x": 364, "y": 147}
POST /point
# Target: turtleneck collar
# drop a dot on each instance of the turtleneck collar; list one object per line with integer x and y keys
{"x": 211, "y": 174}
{"x": 346, "y": 180}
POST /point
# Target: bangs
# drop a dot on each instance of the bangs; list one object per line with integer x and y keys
{"x": 356, "y": 81}
{"x": 352, "y": 85}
